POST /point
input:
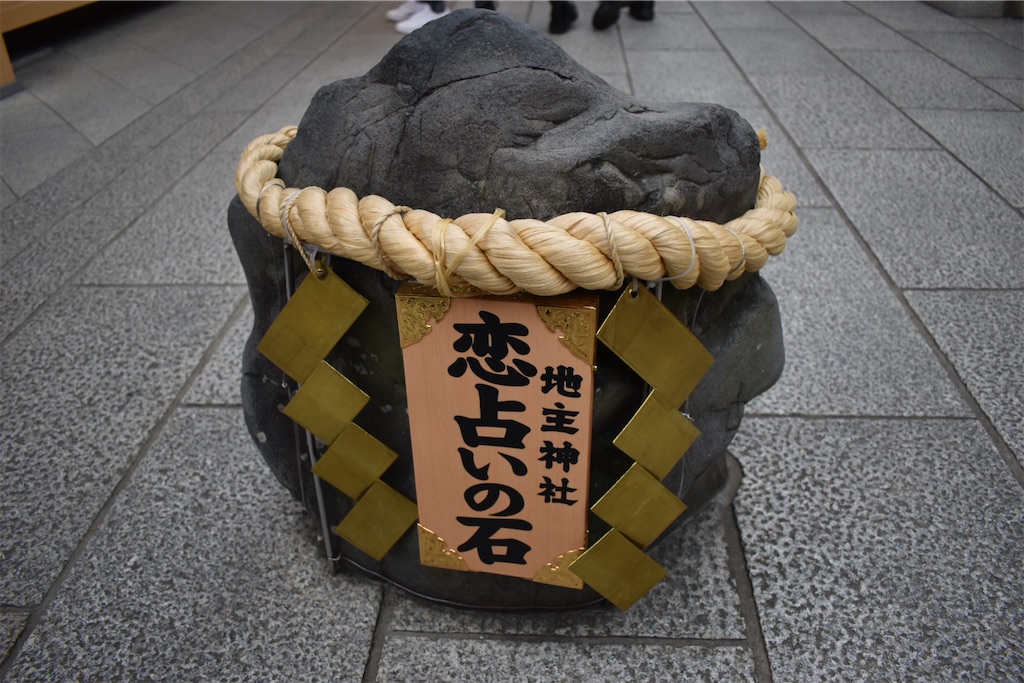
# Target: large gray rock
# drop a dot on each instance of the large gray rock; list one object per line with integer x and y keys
{"x": 477, "y": 111}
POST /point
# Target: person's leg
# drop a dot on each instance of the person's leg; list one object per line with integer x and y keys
{"x": 642, "y": 11}
{"x": 607, "y": 14}
{"x": 563, "y": 14}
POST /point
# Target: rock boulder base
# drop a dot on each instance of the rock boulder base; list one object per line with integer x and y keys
{"x": 477, "y": 111}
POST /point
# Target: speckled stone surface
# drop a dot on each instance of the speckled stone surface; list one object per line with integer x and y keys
{"x": 415, "y": 659}
{"x": 850, "y": 347}
{"x": 883, "y": 550}
{"x": 988, "y": 354}
{"x": 218, "y": 382}
{"x": 911, "y": 16}
{"x": 203, "y": 570}
{"x": 671, "y": 30}
{"x": 724, "y": 15}
{"x": 922, "y": 80}
{"x": 781, "y": 160}
{"x": 978, "y": 54}
{"x": 83, "y": 383}
{"x": 185, "y": 222}
{"x": 838, "y": 110}
{"x": 987, "y": 141}
{"x": 698, "y": 76}
{"x": 1010, "y": 88}
{"x": 900, "y": 201}
{"x": 787, "y": 51}
{"x": 31, "y": 278}
{"x": 851, "y": 32}
{"x": 697, "y": 600}
{"x": 11, "y": 624}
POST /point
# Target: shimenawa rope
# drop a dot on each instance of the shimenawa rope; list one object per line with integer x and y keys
{"x": 493, "y": 255}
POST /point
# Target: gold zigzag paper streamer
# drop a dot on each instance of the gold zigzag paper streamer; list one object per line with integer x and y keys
{"x": 639, "y": 506}
{"x": 320, "y": 311}
{"x": 378, "y": 520}
{"x": 618, "y": 570}
{"x": 658, "y": 435}
{"x": 652, "y": 341}
{"x": 655, "y": 344}
{"x": 308, "y": 327}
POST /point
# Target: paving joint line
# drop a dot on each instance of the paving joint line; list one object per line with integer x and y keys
{"x": 381, "y": 631}
{"x": 574, "y": 639}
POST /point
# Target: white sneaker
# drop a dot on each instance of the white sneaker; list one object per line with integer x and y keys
{"x": 420, "y": 19}
{"x": 404, "y": 11}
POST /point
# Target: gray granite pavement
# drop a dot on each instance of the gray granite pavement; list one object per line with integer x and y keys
{"x": 877, "y": 532}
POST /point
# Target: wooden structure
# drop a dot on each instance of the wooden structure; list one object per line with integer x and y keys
{"x": 15, "y": 14}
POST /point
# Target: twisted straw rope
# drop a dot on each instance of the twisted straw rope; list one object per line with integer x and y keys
{"x": 488, "y": 253}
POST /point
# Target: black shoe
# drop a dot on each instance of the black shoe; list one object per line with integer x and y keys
{"x": 606, "y": 15}
{"x": 642, "y": 11}
{"x": 563, "y": 14}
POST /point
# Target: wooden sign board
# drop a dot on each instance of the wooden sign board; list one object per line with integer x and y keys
{"x": 500, "y": 395}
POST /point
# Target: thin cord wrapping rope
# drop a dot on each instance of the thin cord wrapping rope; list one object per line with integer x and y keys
{"x": 502, "y": 257}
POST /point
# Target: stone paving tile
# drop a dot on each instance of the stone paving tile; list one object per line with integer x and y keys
{"x": 911, "y": 16}
{"x": 977, "y": 54}
{"x": 789, "y": 53}
{"x": 698, "y": 600}
{"x": 668, "y": 31}
{"x": 36, "y": 142}
{"x": 145, "y": 181}
{"x": 197, "y": 37}
{"x": 818, "y": 8}
{"x": 990, "y": 143}
{"x": 850, "y": 347}
{"x": 95, "y": 105}
{"x": 265, "y": 15}
{"x": 922, "y": 80}
{"x": 914, "y": 209}
{"x": 204, "y": 569}
{"x": 882, "y": 550}
{"x": 359, "y": 49}
{"x": 11, "y": 626}
{"x": 472, "y": 660}
{"x": 219, "y": 383}
{"x": 32, "y": 278}
{"x": 222, "y": 77}
{"x": 1010, "y": 88}
{"x": 83, "y": 384}
{"x": 7, "y": 196}
{"x": 146, "y": 73}
{"x": 269, "y": 118}
{"x": 726, "y": 15}
{"x": 35, "y": 213}
{"x": 780, "y": 159}
{"x": 975, "y": 332}
{"x": 838, "y": 111}
{"x": 689, "y": 76}
{"x": 252, "y": 91}
{"x": 846, "y": 32}
{"x": 1009, "y": 31}
{"x": 183, "y": 239}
